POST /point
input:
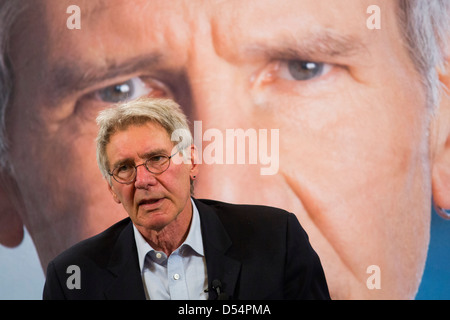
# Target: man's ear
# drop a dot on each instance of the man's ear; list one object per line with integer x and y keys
{"x": 115, "y": 197}
{"x": 441, "y": 161}
{"x": 11, "y": 225}
{"x": 194, "y": 162}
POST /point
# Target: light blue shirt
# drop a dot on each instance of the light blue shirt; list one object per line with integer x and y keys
{"x": 182, "y": 275}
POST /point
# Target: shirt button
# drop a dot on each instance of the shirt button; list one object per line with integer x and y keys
{"x": 176, "y": 276}
{"x": 158, "y": 255}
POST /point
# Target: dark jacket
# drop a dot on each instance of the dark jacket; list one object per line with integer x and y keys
{"x": 252, "y": 252}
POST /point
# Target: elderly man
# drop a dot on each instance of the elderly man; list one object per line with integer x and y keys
{"x": 363, "y": 123}
{"x": 173, "y": 246}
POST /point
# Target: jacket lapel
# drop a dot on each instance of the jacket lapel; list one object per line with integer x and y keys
{"x": 127, "y": 284}
{"x": 216, "y": 243}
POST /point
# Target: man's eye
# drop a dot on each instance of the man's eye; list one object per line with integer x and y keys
{"x": 124, "y": 168}
{"x": 303, "y": 70}
{"x": 158, "y": 159}
{"x": 132, "y": 89}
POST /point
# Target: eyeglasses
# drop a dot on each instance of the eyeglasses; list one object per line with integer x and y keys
{"x": 126, "y": 173}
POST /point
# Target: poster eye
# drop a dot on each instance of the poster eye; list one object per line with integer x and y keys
{"x": 132, "y": 89}
{"x": 120, "y": 92}
{"x": 306, "y": 70}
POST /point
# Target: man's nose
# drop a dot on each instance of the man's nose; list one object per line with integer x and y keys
{"x": 144, "y": 178}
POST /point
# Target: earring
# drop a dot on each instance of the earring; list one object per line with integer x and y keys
{"x": 443, "y": 213}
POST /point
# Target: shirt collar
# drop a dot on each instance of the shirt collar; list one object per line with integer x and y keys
{"x": 193, "y": 239}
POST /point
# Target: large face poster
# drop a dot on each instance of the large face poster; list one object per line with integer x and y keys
{"x": 332, "y": 110}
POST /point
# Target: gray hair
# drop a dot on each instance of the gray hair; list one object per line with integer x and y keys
{"x": 424, "y": 23}
{"x": 9, "y": 12}
{"x": 165, "y": 112}
{"x": 426, "y": 29}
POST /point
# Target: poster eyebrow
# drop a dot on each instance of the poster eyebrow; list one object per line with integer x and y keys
{"x": 72, "y": 76}
{"x": 317, "y": 44}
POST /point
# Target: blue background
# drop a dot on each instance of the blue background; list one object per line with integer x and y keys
{"x": 436, "y": 279}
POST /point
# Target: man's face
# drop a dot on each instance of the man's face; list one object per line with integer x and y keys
{"x": 153, "y": 200}
{"x": 353, "y": 152}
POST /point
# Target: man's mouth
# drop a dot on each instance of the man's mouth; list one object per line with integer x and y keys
{"x": 149, "y": 203}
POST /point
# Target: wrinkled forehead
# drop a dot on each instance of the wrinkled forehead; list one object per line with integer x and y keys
{"x": 171, "y": 25}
